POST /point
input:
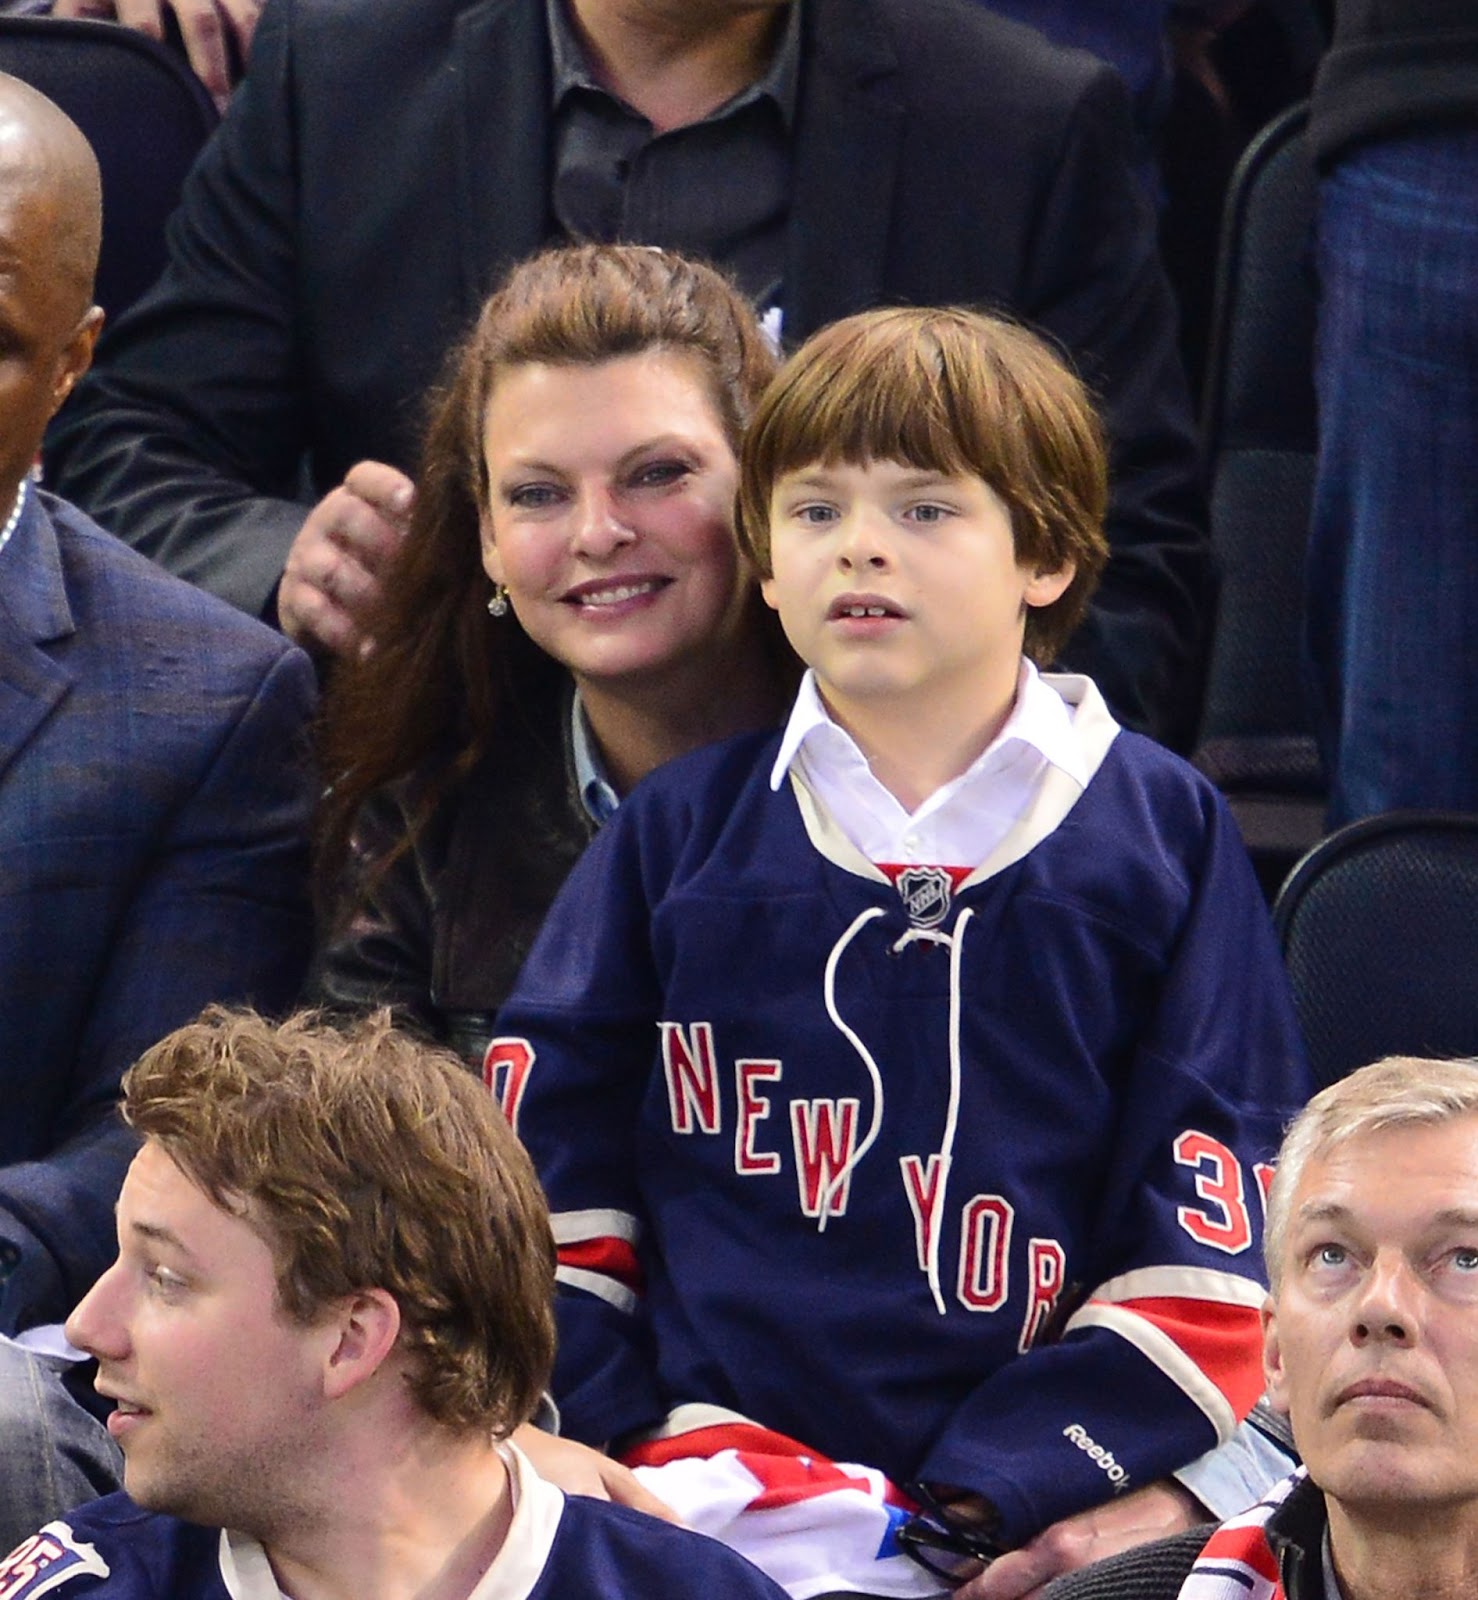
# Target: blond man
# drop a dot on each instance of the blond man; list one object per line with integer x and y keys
{"x": 1370, "y": 1347}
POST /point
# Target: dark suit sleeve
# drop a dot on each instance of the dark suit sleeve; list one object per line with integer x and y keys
{"x": 219, "y": 912}
{"x": 1094, "y": 281}
{"x": 187, "y": 438}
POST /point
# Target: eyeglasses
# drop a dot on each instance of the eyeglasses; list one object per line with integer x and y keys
{"x": 946, "y": 1547}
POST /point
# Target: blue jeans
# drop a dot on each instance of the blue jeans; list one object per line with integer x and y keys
{"x": 1393, "y": 555}
{"x": 53, "y": 1453}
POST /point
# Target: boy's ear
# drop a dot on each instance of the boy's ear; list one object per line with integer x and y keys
{"x": 1044, "y": 587}
{"x": 767, "y": 591}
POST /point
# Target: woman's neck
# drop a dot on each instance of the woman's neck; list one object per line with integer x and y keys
{"x": 640, "y": 725}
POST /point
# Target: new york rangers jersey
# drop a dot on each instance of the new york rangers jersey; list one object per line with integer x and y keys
{"x": 959, "y": 1179}
{"x": 558, "y": 1548}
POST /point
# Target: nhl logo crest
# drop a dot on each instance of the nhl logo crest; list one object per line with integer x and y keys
{"x": 926, "y": 893}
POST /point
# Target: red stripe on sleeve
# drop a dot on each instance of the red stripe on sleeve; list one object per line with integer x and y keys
{"x": 612, "y": 1258}
{"x": 1224, "y": 1341}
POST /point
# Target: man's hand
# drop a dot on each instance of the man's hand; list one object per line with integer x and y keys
{"x": 1149, "y": 1513}
{"x": 577, "y": 1469}
{"x": 209, "y": 29}
{"x": 334, "y": 570}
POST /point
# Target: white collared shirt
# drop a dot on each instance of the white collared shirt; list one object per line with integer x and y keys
{"x": 963, "y": 821}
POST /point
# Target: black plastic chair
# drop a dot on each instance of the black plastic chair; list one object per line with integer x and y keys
{"x": 1261, "y": 433}
{"x": 1379, "y": 930}
{"x": 145, "y": 114}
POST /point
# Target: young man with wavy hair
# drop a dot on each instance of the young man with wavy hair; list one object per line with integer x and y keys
{"x": 329, "y": 1314}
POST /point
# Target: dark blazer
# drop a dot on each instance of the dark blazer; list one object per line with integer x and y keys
{"x": 154, "y": 808}
{"x": 384, "y": 163}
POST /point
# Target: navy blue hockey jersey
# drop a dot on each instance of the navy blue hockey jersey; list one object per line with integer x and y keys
{"x": 558, "y": 1548}
{"x": 962, "y": 1183}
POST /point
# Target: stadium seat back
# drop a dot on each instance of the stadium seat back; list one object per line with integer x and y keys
{"x": 1379, "y": 929}
{"x": 146, "y": 115}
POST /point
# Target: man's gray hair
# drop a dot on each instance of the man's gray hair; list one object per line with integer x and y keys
{"x": 1398, "y": 1092}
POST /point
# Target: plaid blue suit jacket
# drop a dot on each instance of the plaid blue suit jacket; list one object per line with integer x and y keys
{"x": 155, "y": 796}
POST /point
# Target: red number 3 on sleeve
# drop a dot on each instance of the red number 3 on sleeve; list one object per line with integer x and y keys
{"x": 1224, "y": 1223}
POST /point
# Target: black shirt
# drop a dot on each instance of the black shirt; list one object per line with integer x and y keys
{"x": 718, "y": 189}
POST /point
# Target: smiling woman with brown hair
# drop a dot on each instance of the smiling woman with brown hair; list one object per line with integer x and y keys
{"x": 578, "y": 484}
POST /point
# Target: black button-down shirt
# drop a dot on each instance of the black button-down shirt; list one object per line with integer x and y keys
{"x": 718, "y": 189}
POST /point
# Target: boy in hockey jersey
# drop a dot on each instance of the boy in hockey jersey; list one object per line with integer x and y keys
{"x": 329, "y": 1312}
{"x": 902, "y": 1082}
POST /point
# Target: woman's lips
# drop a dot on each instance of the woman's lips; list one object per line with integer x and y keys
{"x": 613, "y": 592}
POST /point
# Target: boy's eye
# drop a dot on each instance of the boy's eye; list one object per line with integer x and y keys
{"x": 815, "y": 514}
{"x": 928, "y": 511}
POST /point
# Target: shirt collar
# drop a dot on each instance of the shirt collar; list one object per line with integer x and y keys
{"x": 596, "y": 792}
{"x": 1039, "y": 718}
{"x": 572, "y": 70}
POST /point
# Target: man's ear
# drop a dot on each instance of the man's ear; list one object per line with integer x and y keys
{"x": 1274, "y": 1379}
{"x": 76, "y": 356}
{"x": 367, "y": 1325}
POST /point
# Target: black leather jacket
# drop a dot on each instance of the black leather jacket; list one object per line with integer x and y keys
{"x": 440, "y": 934}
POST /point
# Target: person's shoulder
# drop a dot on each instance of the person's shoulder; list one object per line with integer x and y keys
{"x": 113, "y": 1547}
{"x": 969, "y": 44}
{"x": 113, "y": 588}
{"x": 1155, "y": 763}
{"x": 1141, "y": 773}
{"x": 331, "y": 39}
{"x": 1127, "y": 769}
{"x": 349, "y": 16}
{"x": 1142, "y": 837}
{"x": 711, "y": 777}
{"x": 674, "y": 819}
{"x": 621, "y": 1552}
{"x": 1154, "y": 1571}
{"x": 1148, "y": 817}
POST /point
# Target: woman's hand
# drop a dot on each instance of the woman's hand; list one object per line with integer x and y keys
{"x": 577, "y": 1469}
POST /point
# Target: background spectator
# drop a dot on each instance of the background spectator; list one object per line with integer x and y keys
{"x": 154, "y": 806}
{"x": 1393, "y": 566}
{"x": 384, "y": 164}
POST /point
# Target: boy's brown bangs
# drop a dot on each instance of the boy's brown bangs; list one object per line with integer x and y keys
{"x": 875, "y": 397}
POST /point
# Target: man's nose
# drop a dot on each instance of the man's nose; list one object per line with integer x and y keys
{"x": 97, "y": 1325}
{"x": 1388, "y": 1307}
